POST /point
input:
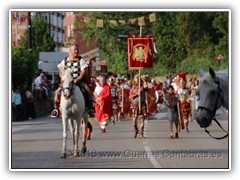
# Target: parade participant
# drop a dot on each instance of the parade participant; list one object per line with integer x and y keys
{"x": 171, "y": 101}
{"x": 119, "y": 101}
{"x": 79, "y": 68}
{"x": 103, "y": 103}
{"x": 151, "y": 97}
{"x": 135, "y": 98}
{"x": 176, "y": 83}
{"x": 158, "y": 94}
{"x": 114, "y": 93}
{"x": 184, "y": 97}
{"x": 130, "y": 84}
{"x": 124, "y": 99}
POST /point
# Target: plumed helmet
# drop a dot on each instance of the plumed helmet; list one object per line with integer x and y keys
{"x": 182, "y": 75}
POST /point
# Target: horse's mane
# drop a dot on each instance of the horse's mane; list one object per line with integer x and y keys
{"x": 68, "y": 73}
{"x": 224, "y": 83}
{"x": 223, "y": 74}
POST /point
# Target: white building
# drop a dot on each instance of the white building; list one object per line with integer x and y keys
{"x": 55, "y": 21}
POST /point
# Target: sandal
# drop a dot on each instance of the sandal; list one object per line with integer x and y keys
{"x": 176, "y": 135}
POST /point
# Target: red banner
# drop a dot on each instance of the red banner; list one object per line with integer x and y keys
{"x": 140, "y": 51}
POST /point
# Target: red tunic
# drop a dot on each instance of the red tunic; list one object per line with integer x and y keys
{"x": 103, "y": 107}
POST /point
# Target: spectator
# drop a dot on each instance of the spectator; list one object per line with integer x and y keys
{"x": 17, "y": 104}
{"x": 39, "y": 84}
{"x": 30, "y": 110}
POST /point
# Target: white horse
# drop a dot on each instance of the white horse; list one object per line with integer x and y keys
{"x": 73, "y": 111}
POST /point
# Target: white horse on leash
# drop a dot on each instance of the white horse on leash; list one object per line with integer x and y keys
{"x": 73, "y": 111}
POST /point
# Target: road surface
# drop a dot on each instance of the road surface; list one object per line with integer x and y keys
{"x": 36, "y": 144}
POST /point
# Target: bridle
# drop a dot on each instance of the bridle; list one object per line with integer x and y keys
{"x": 71, "y": 89}
{"x": 220, "y": 96}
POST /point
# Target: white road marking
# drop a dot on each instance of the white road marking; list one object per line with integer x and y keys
{"x": 152, "y": 159}
{"x": 148, "y": 150}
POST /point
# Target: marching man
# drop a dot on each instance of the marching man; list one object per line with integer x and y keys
{"x": 184, "y": 97}
{"x": 136, "y": 95}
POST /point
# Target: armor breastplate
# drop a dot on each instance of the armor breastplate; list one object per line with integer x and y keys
{"x": 114, "y": 92}
{"x": 183, "y": 94}
{"x": 74, "y": 66}
{"x": 135, "y": 90}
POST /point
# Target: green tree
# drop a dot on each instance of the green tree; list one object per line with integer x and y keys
{"x": 184, "y": 40}
{"x": 24, "y": 60}
{"x": 112, "y": 48}
{"x": 23, "y": 63}
{"x": 41, "y": 38}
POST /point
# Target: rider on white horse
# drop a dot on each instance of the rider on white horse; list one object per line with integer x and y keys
{"x": 79, "y": 67}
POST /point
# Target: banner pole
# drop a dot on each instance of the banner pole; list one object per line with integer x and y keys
{"x": 140, "y": 35}
{"x": 139, "y": 88}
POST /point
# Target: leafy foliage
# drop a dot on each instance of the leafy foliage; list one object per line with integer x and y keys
{"x": 24, "y": 60}
{"x": 184, "y": 40}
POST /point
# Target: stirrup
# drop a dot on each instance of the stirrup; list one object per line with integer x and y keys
{"x": 91, "y": 113}
{"x": 54, "y": 113}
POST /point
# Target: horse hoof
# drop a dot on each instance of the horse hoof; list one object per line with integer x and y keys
{"x": 84, "y": 149}
{"x": 63, "y": 155}
{"x": 76, "y": 154}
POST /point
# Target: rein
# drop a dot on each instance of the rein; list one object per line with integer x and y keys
{"x": 218, "y": 138}
{"x": 70, "y": 89}
{"x": 221, "y": 96}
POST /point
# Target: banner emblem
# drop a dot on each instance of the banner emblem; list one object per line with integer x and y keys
{"x": 140, "y": 52}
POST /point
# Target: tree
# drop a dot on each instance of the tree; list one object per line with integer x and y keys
{"x": 41, "y": 38}
{"x": 183, "y": 39}
{"x": 22, "y": 65}
{"x": 112, "y": 48}
{"x": 24, "y": 60}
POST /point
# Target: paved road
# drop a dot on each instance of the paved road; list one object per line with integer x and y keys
{"x": 36, "y": 144}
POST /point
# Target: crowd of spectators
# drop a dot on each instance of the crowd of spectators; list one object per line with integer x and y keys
{"x": 38, "y": 88}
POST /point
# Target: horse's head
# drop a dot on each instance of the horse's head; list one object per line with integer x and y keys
{"x": 210, "y": 97}
{"x": 67, "y": 84}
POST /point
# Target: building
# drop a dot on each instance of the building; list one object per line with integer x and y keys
{"x": 74, "y": 34}
{"x": 61, "y": 27}
{"x": 55, "y": 22}
{"x": 19, "y": 25}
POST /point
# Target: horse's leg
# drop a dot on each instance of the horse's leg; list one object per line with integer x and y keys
{"x": 72, "y": 129}
{"x": 76, "y": 124}
{"x": 84, "y": 128}
{"x": 64, "y": 135}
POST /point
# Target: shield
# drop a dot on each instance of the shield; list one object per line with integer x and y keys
{"x": 192, "y": 110}
{"x": 124, "y": 103}
{"x": 151, "y": 100}
{"x": 180, "y": 116}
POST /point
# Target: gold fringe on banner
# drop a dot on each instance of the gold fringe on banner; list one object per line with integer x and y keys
{"x": 152, "y": 17}
{"x": 100, "y": 23}
{"x": 141, "y": 21}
